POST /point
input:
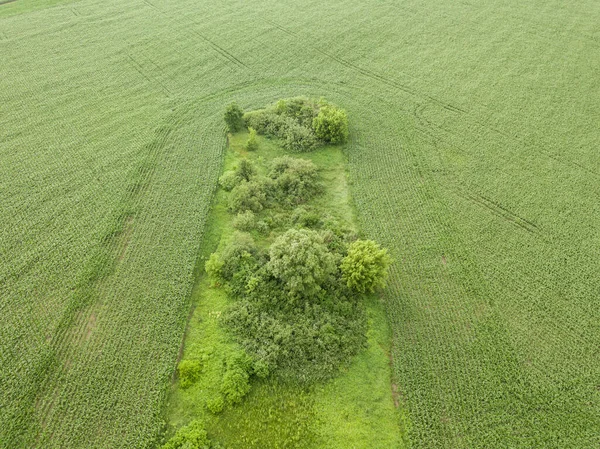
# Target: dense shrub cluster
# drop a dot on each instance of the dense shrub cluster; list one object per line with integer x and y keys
{"x": 189, "y": 372}
{"x": 295, "y": 180}
{"x": 301, "y": 123}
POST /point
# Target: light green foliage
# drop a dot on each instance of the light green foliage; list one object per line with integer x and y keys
{"x": 365, "y": 268}
{"x": 216, "y": 404}
{"x": 331, "y": 125}
{"x": 244, "y": 221}
{"x": 252, "y": 143}
{"x": 214, "y": 267}
{"x": 302, "y": 262}
{"x": 189, "y": 372}
{"x": 236, "y": 380}
{"x": 234, "y": 117}
{"x": 192, "y": 436}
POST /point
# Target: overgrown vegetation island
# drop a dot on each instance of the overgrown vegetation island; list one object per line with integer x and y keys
{"x": 472, "y": 156}
{"x": 286, "y": 293}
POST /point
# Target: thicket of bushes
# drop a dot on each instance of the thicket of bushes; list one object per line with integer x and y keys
{"x": 301, "y": 123}
{"x": 297, "y": 310}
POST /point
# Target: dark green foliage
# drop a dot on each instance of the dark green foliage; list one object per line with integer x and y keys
{"x": 296, "y": 180}
{"x": 298, "y": 138}
{"x": 192, "y": 436}
{"x": 234, "y": 117}
{"x": 236, "y": 380}
{"x": 331, "y": 125}
{"x": 189, "y": 372}
{"x": 228, "y": 180}
{"x": 303, "y": 341}
{"x": 305, "y": 218}
{"x": 366, "y": 266}
{"x": 245, "y": 171}
{"x": 300, "y": 123}
{"x": 302, "y": 263}
{"x": 244, "y": 221}
{"x": 247, "y": 196}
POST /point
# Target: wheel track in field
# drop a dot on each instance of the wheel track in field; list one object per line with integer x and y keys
{"x": 216, "y": 47}
{"x": 151, "y": 79}
{"x": 369, "y": 73}
{"x": 74, "y": 327}
{"x": 419, "y": 113}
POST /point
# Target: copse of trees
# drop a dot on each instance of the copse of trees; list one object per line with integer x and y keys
{"x": 301, "y": 123}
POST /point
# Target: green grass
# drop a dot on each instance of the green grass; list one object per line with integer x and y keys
{"x": 473, "y": 156}
{"x": 357, "y": 408}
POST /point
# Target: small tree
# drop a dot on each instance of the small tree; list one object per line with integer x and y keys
{"x": 331, "y": 125}
{"x": 234, "y": 117}
{"x": 301, "y": 260}
{"x": 252, "y": 143}
{"x": 366, "y": 266}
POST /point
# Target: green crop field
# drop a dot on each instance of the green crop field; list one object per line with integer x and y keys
{"x": 473, "y": 156}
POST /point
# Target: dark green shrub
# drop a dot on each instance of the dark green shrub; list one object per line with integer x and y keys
{"x": 300, "y": 260}
{"x": 252, "y": 142}
{"x": 240, "y": 255}
{"x": 189, "y": 372}
{"x": 298, "y": 138}
{"x": 244, "y": 221}
{"x": 302, "y": 342}
{"x": 366, "y": 266}
{"x": 296, "y": 180}
{"x": 247, "y": 196}
{"x": 234, "y": 117}
{"x": 258, "y": 120}
{"x": 331, "y": 125}
{"x": 305, "y": 218}
{"x": 228, "y": 180}
{"x": 245, "y": 170}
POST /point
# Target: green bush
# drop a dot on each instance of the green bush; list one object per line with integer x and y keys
{"x": 234, "y": 117}
{"x": 296, "y": 180}
{"x": 192, "y": 436}
{"x": 331, "y": 125}
{"x": 300, "y": 260}
{"x": 228, "y": 180}
{"x": 216, "y": 404}
{"x": 301, "y": 342}
{"x": 214, "y": 268}
{"x": 244, "y": 221}
{"x": 366, "y": 266}
{"x": 305, "y": 218}
{"x": 298, "y": 138}
{"x": 236, "y": 380}
{"x": 252, "y": 142}
{"x": 189, "y": 372}
{"x": 247, "y": 196}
